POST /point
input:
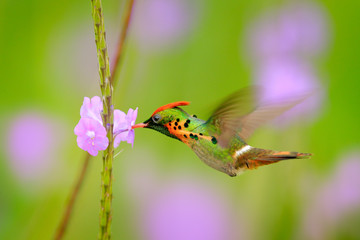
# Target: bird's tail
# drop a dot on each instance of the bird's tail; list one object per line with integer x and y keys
{"x": 257, "y": 157}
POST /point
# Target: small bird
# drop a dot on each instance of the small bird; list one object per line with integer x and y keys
{"x": 220, "y": 141}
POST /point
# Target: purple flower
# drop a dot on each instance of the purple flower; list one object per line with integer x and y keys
{"x": 91, "y": 136}
{"x": 122, "y": 126}
{"x": 91, "y": 132}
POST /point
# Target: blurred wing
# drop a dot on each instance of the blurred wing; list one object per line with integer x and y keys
{"x": 237, "y": 114}
{"x": 238, "y": 104}
{"x": 224, "y": 121}
{"x": 235, "y": 105}
{"x": 247, "y": 124}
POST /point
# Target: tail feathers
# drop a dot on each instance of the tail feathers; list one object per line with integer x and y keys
{"x": 257, "y": 157}
{"x": 278, "y": 156}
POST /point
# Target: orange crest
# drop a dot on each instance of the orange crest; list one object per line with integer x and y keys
{"x": 171, "y": 105}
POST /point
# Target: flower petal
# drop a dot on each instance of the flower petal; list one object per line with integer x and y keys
{"x": 120, "y": 137}
{"x": 131, "y": 116}
{"x": 130, "y": 113}
{"x": 91, "y": 143}
{"x": 101, "y": 143}
{"x": 99, "y": 129}
{"x": 80, "y": 129}
{"x": 134, "y": 116}
{"x": 122, "y": 126}
{"x": 117, "y": 142}
{"x": 92, "y": 108}
{"x": 84, "y": 106}
{"x": 131, "y": 137}
{"x": 82, "y": 142}
{"x": 92, "y": 151}
{"x": 119, "y": 120}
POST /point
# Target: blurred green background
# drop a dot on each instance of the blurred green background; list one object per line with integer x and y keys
{"x": 198, "y": 51}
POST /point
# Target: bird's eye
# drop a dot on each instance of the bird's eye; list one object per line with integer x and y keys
{"x": 156, "y": 118}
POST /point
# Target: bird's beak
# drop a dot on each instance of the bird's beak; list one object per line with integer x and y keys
{"x": 140, "y": 125}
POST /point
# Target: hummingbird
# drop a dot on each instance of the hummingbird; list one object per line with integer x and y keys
{"x": 220, "y": 141}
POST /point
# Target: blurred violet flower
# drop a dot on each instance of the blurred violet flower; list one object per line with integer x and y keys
{"x": 188, "y": 211}
{"x": 91, "y": 134}
{"x": 337, "y": 198}
{"x": 161, "y": 23}
{"x": 297, "y": 29}
{"x": 281, "y": 44}
{"x": 177, "y": 207}
{"x": 122, "y": 126}
{"x": 31, "y": 144}
{"x": 287, "y": 79}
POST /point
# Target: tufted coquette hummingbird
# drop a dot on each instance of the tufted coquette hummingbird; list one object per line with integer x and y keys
{"x": 220, "y": 141}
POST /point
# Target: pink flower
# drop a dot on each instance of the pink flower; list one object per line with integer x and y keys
{"x": 91, "y": 136}
{"x": 122, "y": 126}
{"x": 91, "y": 132}
{"x": 92, "y": 108}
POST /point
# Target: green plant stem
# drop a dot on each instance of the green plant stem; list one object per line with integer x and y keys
{"x": 107, "y": 115}
{"x": 70, "y": 205}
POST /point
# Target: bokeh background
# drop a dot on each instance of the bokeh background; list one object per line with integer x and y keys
{"x": 198, "y": 51}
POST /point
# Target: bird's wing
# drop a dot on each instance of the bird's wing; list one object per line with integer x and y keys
{"x": 238, "y": 114}
{"x": 265, "y": 113}
{"x": 225, "y": 118}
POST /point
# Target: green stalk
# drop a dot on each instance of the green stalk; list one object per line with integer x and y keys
{"x": 107, "y": 115}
